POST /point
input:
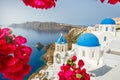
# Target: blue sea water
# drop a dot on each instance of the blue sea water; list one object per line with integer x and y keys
{"x": 33, "y": 37}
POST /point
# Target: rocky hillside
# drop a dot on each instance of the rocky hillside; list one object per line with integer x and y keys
{"x": 71, "y": 37}
{"x": 44, "y": 26}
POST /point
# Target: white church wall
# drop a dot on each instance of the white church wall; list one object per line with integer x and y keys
{"x": 105, "y": 38}
{"x": 94, "y": 52}
{"x": 82, "y": 52}
{"x": 107, "y": 28}
{"x": 89, "y": 54}
{"x": 94, "y": 56}
{"x": 105, "y": 34}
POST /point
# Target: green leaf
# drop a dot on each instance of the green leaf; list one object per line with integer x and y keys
{"x": 78, "y": 76}
{"x": 9, "y": 39}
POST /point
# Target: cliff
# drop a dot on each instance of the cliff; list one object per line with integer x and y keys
{"x": 71, "y": 37}
{"x": 44, "y": 26}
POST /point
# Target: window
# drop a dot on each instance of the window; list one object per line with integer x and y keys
{"x": 62, "y": 48}
{"x": 105, "y": 38}
{"x": 58, "y": 58}
{"x": 83, "y": 54}
{"x": 57, "y": 48}
{"x": 93, "y": 54}
{"x": 106, "y": 28}
{"x": 112, "y": 28}
{"x": 100, "y": 27}
{"x": 97, "y": 28}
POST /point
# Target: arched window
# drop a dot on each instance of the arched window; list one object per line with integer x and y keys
{"x": 83, "y": 54}
{"x": 62, "y": 48}
{"x": 93, "y": 54}
{"x": 57, "y": 48}
{"x": 112, "y": 28}
{"x": 106, "y": 28}
{"x": 105, "y": 38}
{"x": 58, "y": 58}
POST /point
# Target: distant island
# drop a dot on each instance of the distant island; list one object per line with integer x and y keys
{"x": 44, "y": 26}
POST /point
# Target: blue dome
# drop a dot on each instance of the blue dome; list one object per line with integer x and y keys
{"x": 108, "y": 21}
{"x": 88, "y": 40}
{"x": 61, "y": 40}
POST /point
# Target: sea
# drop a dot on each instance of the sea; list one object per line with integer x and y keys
{"x": 34, "y": 37}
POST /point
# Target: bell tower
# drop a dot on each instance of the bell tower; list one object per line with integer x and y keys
{"x": 59, "y": 53}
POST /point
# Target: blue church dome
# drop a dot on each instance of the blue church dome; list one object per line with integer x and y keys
{"x": 61, "y": 40}
{"x": 107, "y": 21}
{"x": 88, "y": 40}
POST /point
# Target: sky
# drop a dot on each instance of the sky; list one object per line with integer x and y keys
{"x": 75, "y": 12}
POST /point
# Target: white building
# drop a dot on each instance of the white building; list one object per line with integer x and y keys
{"x": 88, "y": 49}
{"x": 99, "y": 49}
{"x": 60, "y": 53}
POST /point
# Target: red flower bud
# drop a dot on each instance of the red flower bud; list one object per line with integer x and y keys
{"x": 74, "y": 58}
{"x": 80, "y": 63}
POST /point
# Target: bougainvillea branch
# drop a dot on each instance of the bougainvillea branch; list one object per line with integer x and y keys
{"x": 71, "y": 71}
{"x": 111, "y": 1}
{"x": 41, "y": 4}
{"x": 14, "y": 55}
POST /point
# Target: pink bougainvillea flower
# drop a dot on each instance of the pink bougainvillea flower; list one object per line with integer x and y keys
{"x": 2, "y": 46}
{"x": 83, "y": 71}
{"x": 24, "y": 52}
{"x": 10, "y": 48}
{"x": 41, "y": 4}
{"x": 4, "y": 31}
{"x": 1, "y": 34}
{"x": 65, "y": 67}
{"x": 18, "y": 76}
{"x": 14, "y": 55}
{"x": 113, "y": 2}
{"x": 18, "y": 66}
{"x": 10, "y": 60}
{"x": 80, "y": 63}
{"x": 1, "y": 66}
{"x": 74, "y": 58}
{"x": 26, "y": 69}
{"x": 20, "y": 40}
{"x": 61, "y": 73}
{"x": 7, "y": 73}
{"x": 7, "y": 31}
{"x": 70, "y": 71}
{"x": 2, "y": 57}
